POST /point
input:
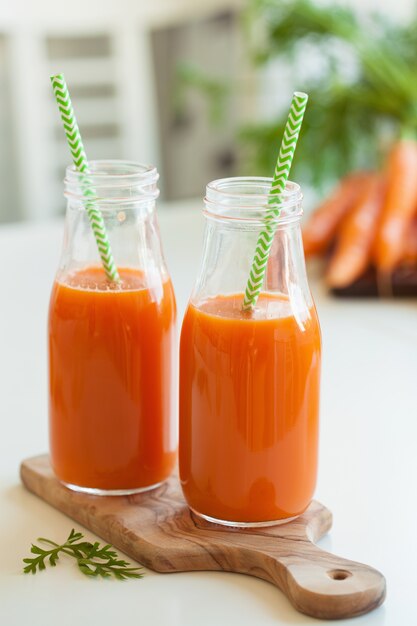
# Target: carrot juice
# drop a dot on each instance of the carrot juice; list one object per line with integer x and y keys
{"x": 249, "y": 403}
{"x": 112, "y": 396}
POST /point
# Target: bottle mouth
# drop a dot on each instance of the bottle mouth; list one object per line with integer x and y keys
{"x": 247, "y": 198}
{"x": 110, "y": 182}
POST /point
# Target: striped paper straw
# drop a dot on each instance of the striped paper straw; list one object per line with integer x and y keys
{"x": 282, "y": 171}
{"x": 79, "y": 158}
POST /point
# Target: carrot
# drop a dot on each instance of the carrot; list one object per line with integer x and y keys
{"x": 356, "y": 236}
{"x": 320, "y": 229}
{"x": 410, "y": 244}
{"x": 399, "y": 205}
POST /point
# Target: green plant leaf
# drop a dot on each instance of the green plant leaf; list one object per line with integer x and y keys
{"x": 92, "y": 558}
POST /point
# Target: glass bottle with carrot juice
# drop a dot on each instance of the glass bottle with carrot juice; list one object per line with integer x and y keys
{"x": 112, "y": 381}
{"x": 249, "y": 379}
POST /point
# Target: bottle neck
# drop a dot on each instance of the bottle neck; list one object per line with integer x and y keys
{"x": 133, "y": 234}
{"x": 249, "y": 199}
{"x": 123, "y": 195}
{"x": 228, "y": 252}
{"x": 112, "y": 183}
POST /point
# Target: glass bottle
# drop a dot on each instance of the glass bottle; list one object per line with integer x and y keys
{"x": 112, "y": 346}
{"x": 249, "y": 380}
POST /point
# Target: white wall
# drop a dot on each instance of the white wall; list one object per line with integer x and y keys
{"x": 44, "y": 13}
{"x": 82, "y": 13}
{"x": 398, "y": 9}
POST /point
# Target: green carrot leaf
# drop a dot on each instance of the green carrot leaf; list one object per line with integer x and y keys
{"x": 93, "y": 559}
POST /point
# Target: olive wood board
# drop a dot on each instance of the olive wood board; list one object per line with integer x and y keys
{"x": 157, "y": 529}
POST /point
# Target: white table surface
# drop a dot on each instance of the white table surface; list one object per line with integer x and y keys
{"x": 368, "y": 462}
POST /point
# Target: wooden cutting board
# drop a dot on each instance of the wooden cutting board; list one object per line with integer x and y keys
{"x": 158, "y": 530}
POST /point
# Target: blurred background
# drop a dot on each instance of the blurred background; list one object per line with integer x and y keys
{"x": 198, "y": 88}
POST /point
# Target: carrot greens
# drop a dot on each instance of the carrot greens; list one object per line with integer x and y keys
{"x": 92, "y": 559}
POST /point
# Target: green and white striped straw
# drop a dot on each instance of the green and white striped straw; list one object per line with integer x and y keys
{"x": 282, "y": 171}
{"x": 80, "y": 161}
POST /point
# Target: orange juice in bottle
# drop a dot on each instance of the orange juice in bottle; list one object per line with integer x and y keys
{"x": 249, "y": 380}
{"x": 112, "y": 379}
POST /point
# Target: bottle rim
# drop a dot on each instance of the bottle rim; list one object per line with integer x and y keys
{"x": 247, "y": 198}
{"x": 112, "y": 181}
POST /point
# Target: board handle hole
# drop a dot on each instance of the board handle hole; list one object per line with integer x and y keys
{"x": 339, "y": 574}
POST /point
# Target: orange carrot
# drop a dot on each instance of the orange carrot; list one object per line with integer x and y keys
{"x": 321, "y": 227}
{"x": 410, "y": 244}
{"x": 399, "y": 205}
{"x": 356, "y": 236}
